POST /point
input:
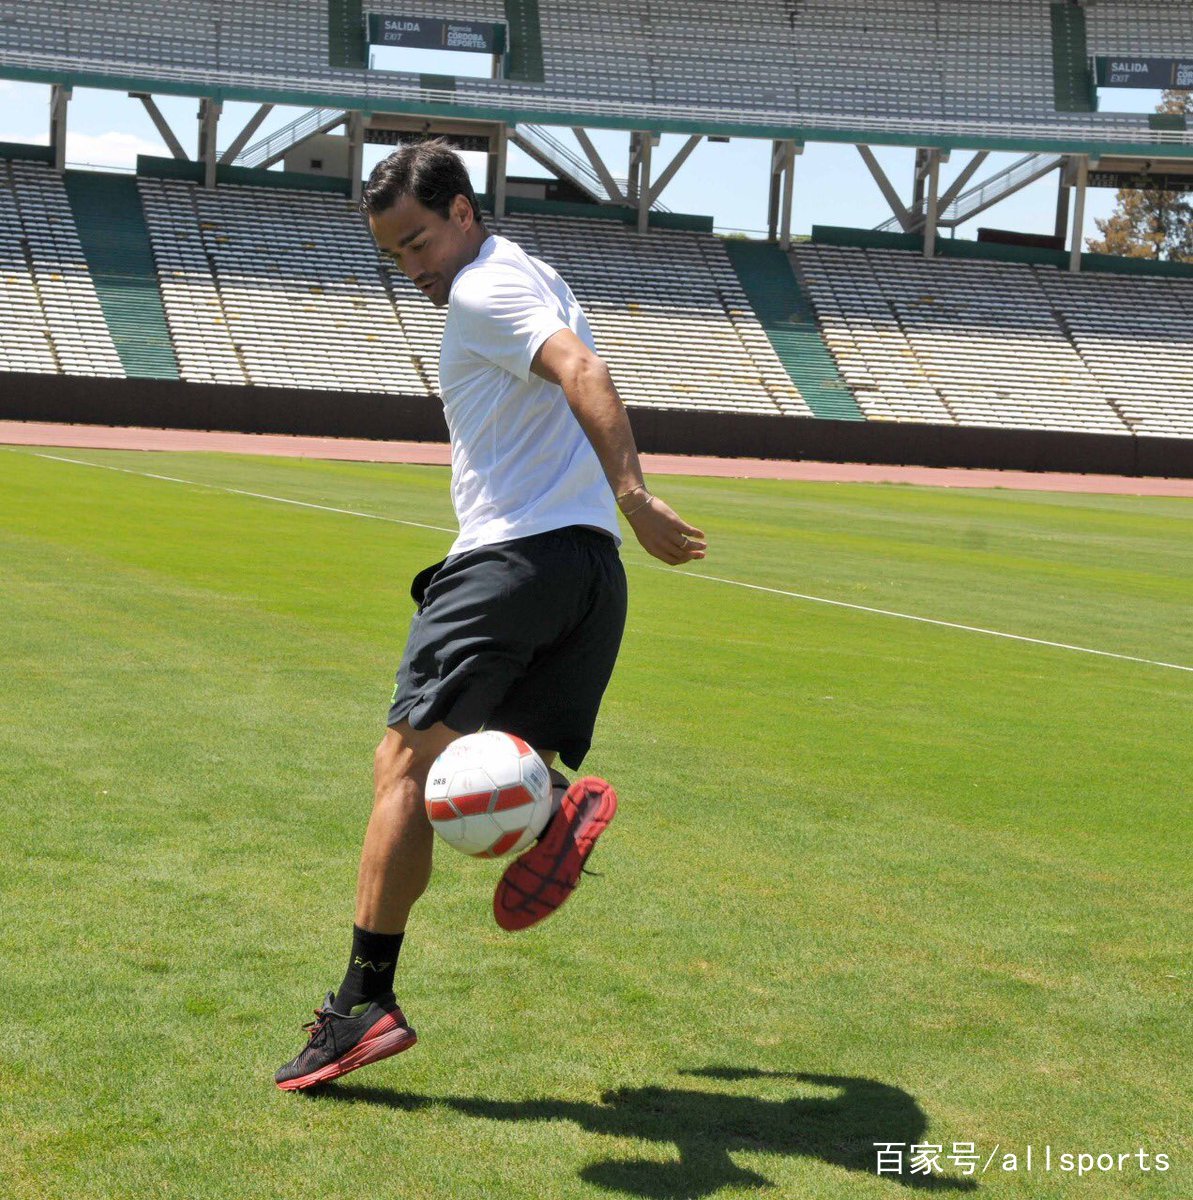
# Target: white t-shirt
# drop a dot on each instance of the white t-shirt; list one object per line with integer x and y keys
{"x": 521, "y": 464}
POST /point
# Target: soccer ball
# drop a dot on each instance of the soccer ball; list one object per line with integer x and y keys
{"x": 489, "y": 794}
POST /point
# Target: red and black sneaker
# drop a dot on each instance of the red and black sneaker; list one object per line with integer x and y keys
{"x": 540, "y": 879}
{"x": 337, "y": 1044}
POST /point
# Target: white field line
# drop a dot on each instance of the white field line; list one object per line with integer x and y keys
{"x": 215, "y": 487}
{"x": 754, "y": 587}
{"x": 886, "y": 612}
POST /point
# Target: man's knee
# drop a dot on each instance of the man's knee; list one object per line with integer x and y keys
{"x": 407, "y": 753}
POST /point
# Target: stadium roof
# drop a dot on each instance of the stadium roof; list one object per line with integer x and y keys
{"x": 946, "y": 73}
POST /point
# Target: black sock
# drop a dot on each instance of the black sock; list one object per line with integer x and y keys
{"x": 370, "y": 968}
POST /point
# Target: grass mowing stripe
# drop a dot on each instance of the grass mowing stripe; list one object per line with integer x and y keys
{"x": 347, "y": 512}
{"x": 868, "y": 882}
{"x": 885, "y": 612}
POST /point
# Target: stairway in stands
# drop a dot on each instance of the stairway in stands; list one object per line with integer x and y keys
{"x": 346, "y": 42}
{"x": 768, "y": 277}
{"x": 115, "y": 240}
{"x": 1072, "y": 83}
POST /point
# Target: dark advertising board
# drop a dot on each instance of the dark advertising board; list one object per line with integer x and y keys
{"x": 431, "y": 33}
{"x": 1159, "y": 182}
{"x": 1154, "y": 73}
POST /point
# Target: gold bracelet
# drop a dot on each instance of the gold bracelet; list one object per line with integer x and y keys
{"x": 633, "y": 511}
{"x": 640, "y": 488}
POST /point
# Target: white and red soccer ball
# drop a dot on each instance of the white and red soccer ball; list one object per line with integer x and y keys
{"x": 489, "y": 794}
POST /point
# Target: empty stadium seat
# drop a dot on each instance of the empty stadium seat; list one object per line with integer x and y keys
{"x": 50, "y": 317}
{"x": 1005, "y": 345}
{"x": 281, "y": 287}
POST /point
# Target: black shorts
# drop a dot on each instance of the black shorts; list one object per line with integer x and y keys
{"x": 519, "y": 636}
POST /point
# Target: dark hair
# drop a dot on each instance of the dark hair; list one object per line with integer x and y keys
{"x": 430, "y": 171}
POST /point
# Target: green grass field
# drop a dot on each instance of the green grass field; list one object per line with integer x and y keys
{"x": 872, "y": 880}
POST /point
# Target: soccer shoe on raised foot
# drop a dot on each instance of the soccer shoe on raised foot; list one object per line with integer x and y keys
{"x": 338, "y": 1044}
{"x": 540, "y": 879}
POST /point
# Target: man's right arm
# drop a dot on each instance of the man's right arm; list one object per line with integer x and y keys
{"x": 565, "y": 360}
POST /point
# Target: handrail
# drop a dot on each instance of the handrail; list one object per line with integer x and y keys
{"x": 572, "y": 164}
{"x": 981, "y": 196}
{"x": 289, "y": 135}
{"x": 1015, "y": 176}
{"x": 579, "y": 168}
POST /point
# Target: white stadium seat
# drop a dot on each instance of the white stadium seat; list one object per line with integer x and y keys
{"x": 50, "y": 317}
{"x": 1005, "y": 345}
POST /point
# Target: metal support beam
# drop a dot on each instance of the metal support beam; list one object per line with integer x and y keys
{"x": 933, "y": 204}
{"x": 209, "y": 120}
{"x": 644, "y": 182}
{"x": 678, "y": 161}
{"x": 1062, "y": 206}
{"x": 921, "y": 172}
{"x": 782, "y": 185}
{"x": 356, "y": 154}
{"x": 242, "y": 138}
{"x": 967, "y": 173}
{"x": 59, "y": 100}
{"x": 634, "y": 169}
{"x": 1079, "y": 214}
{"x": 776, "y": 188}
{"x": 498, "y": 155}
{"x": 892, "y": 197}
{"x": 598, "y": 165}
{"x": 790, "y": 151}
{"x": 163, "y": 126}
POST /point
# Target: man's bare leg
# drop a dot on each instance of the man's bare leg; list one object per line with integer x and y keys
{"x": 361, "y": 1022}
{"x": 395, "y": 863}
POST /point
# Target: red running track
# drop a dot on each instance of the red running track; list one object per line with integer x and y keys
{"x": 102, "y": 437}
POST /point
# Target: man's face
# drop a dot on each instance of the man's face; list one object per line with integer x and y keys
{"x": 428, "y": 248}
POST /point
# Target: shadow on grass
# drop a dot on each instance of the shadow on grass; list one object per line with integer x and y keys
{"x": 706, "y": 1127}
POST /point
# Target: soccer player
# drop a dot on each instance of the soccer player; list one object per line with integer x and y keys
{"x": 519, "y": 627}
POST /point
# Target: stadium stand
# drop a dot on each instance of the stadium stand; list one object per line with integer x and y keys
{"x": 111, "y": 228}
{"x": 888, "y": 67}
{"x": 50, "y": 317}
{"x": 1005, "y": 345}
{"x": 1139, "y": 28}
{"x": 284, "y": 288}
{"x": 668, "y": 314}
{"x": 775, "y": 295}
{"x": 1136, "y": 338}
{"x": 287, "y": 285}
